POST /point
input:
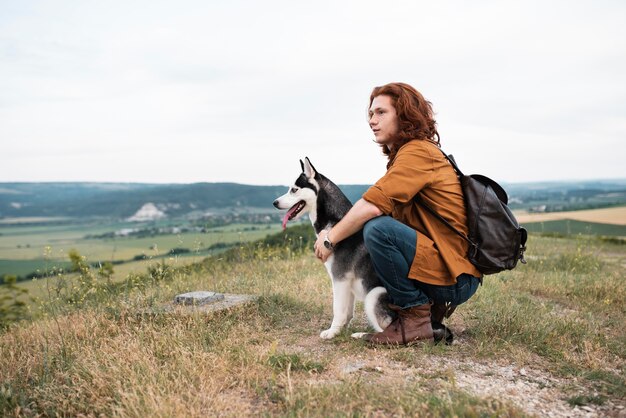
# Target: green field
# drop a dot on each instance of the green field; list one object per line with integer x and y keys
{"x": 24, "y": 267}
{"x": 27, "y": 249}
{"x": 572, "y": 227}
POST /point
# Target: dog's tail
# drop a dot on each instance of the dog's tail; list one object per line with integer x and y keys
{"x": 376, "y": 308}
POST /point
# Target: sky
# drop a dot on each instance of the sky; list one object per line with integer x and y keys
{"x": 239, "y": 91}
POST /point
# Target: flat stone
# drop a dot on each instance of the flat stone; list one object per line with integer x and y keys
{"x": 198, "y": 298}
{"x": 227, "y": 301}
{"x": 353, "y": 367}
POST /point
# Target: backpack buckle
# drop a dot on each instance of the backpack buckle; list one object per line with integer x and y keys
{"x": 521, "y": 255}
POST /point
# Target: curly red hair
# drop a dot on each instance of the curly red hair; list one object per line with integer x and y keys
{"x": 415, "y": 115}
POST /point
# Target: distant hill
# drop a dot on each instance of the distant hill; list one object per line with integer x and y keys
{"x": 124, "y": 200}
{"x": 566, "y": 195}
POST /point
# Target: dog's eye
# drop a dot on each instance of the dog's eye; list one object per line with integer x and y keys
{"x": 293, "y": 190}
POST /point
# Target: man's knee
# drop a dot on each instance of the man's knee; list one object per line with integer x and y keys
{"x": 372, "y": 229}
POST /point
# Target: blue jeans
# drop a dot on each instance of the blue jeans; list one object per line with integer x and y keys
{"x": 391, "y": 245}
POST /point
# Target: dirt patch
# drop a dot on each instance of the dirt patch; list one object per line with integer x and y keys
{"x": 533, "y": 390}
{"x": 240, "y": 402}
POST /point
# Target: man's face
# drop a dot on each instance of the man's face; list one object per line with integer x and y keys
{"x": 383, "y": 120}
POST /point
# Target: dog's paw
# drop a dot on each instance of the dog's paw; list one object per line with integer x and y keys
{"x": 361, "y": 335}
{"x": 330, "y": 333}
{"x": 442, "y": 333}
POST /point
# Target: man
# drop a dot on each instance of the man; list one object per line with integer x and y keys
{"x": 421, "y": 263}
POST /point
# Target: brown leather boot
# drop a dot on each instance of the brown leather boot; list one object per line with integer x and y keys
{"x": 412, "y": 325}
{"x": 439, "y": 311}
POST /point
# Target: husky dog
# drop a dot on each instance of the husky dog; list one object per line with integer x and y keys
{"x": 349, "y": 266}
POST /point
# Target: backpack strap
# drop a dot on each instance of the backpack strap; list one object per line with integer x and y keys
{"x": 453, "y": 162}
{"x": 419, "y": 201}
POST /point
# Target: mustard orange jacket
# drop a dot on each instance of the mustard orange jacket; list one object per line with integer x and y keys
{"x": 420, "y": 167}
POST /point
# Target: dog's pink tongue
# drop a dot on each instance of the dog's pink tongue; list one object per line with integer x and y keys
{"x": 288, "y": 214}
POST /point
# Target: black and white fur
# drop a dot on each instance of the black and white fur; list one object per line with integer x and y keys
{"x": 349, "y": 266}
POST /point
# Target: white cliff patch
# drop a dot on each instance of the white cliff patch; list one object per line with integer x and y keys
{"x": 148, "y": 212}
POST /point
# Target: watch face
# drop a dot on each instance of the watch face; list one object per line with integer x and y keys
{"x": 327, "y": 244}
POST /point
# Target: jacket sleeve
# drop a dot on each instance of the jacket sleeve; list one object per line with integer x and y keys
{"x": 411, "y": 171}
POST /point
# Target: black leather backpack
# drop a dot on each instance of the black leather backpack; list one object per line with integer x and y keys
{"x": 496, "y": 241}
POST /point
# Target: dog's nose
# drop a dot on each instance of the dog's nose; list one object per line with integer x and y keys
{"x": 276, "y": 203}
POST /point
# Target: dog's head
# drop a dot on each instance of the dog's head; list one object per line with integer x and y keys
{"x": 302, "y": 195}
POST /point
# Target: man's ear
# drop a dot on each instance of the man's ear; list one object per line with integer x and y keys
{"x": 309, "y": 170}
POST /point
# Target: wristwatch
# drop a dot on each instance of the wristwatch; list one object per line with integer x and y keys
{"x": 329, "y": 245}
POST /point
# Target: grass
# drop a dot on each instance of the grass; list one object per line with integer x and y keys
{"x": 294, "y": 362}
{"x": 560, "y": 317}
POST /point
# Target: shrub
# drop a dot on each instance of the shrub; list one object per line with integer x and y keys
{"x": 178, "y": 250}
{"x": 12, "y": 308}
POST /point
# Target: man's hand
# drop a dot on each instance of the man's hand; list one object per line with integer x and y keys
{"x": 361, "y": 212}
{"x": 321, "y": 251}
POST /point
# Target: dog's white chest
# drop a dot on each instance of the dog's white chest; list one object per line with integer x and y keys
{"x": 329, "y": 266}
{"x": 349, "y": 280}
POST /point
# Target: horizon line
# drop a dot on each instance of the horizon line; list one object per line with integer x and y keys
{"x": 602, "y": 179}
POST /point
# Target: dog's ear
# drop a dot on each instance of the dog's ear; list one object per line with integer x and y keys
{"x": 302, "y": 165}
{"x": 308, "y": 168}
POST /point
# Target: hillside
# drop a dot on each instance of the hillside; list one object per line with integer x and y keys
{"x": 124, "y": 200}
{"x": 566, "y": 195}
{"x": 121, "y": 200}
{"x": 545, "y": 339}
